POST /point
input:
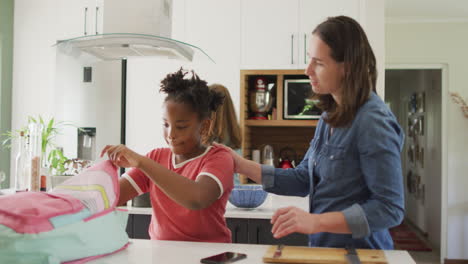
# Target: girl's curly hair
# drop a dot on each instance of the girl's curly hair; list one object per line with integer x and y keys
{"x": 192, "y": 91}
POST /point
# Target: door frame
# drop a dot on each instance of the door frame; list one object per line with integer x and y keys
{"x": 444, "y": 156}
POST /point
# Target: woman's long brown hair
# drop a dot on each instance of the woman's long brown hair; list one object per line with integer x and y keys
{"x": 224, "y": 125}
{"x": 349, "y": 45}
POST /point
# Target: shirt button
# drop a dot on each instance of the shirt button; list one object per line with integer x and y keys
{"x": 331, "y": 157}
{"x": 315, "y": 163}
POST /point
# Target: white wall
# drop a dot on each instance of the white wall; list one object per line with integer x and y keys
{"x": 33, "y": 62}
{"x": 429, "y": 43}
{"x": 372, "y": 19}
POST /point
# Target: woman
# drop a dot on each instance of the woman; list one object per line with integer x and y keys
{"x": 352, "y": 169}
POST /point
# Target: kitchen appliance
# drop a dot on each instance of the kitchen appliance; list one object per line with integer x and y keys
{"x": 292, "y": 254}
{"x": 287, "y": 158}
{"x": 86, "y": 143}
{"x": 260, "y": 99}
{"x": 124, "y": 29}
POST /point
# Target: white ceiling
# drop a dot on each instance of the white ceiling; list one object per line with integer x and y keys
{"x": 426, "y": 10}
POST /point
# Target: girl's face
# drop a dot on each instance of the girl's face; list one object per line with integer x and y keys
{"x": 183, "y": 129}
{"x": 325, "y": 74}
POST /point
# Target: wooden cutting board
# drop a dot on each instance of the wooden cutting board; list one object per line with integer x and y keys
{"x": 292, "y": 254}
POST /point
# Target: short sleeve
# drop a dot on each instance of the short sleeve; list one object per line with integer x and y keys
{"x": 219, "y": 165}
{"x": 137, "y": 178}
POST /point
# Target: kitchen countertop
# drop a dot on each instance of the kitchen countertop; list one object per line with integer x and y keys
{"x": 141, "y": 251}
{"x": 264, "y": 211}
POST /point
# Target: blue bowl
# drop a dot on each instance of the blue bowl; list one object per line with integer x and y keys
{"x": 247, "y": 196}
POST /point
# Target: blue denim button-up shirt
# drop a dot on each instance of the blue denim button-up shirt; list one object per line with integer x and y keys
{"x": 356, "y": 171}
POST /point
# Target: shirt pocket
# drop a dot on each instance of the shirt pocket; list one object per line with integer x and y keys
{"x": 332, "y": 162}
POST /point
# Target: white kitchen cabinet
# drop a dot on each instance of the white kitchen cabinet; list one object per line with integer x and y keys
{"x": 75, "y": 18}
{"x": 269, "y": 34}
{"x": 91, "y": 17}
{"x": 275, "y": 33}
{"x": 312, "y": 13}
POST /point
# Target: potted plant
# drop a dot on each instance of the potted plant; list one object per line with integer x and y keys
{"x": 52, "y": 156}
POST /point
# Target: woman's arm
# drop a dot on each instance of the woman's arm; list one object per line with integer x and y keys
{"x": 244, "y": 166}
{"x": 292, "y": 219}
{"x": 379, "y": 143}
{"x": 279, "y": 181}
{"x": 249, "y": 168}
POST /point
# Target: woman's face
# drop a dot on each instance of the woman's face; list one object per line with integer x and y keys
{"x": 182, "y": 128}
{"x": 325, "y": 74}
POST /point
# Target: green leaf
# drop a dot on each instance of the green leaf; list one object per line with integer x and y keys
{"x": 31, "y": 119}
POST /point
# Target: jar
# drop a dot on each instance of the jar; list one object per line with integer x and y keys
{"x": 268, "y": 156}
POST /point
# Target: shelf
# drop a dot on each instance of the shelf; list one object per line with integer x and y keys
{"x": 281, "y": 123}
{"x": 278, "y": 133}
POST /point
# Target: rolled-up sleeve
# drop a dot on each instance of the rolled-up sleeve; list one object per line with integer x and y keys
{"x": 357, "y": 221}
{"x": 292, "y": 182}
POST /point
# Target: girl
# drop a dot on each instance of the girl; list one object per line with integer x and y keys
{"x": 189, "y": 182}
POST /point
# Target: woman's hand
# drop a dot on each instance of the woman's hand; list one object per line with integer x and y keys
{"x": 122, "y": 156}
{"x": 238, "y": 159}
{"x": 294, "y": 220}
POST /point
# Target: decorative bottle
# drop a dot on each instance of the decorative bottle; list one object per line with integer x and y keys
{"x": 22, "y": 170}
{"x": 35, "y": 151}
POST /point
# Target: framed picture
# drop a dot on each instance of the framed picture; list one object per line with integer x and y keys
{"x": 299, "y": 100}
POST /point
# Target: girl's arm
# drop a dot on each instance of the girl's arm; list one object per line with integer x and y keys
{"x": 194, "y": 195}
{"x": 127, "y": 192}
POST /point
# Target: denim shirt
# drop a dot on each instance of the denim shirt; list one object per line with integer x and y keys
{"x": 356, "y": 171}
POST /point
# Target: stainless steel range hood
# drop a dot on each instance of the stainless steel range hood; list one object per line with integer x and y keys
{"x": 125, "y": 29}
{"x": 117, "y": 46}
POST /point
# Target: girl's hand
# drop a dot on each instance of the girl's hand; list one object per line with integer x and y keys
{"x": 238, "y": 159}
{"x": 122, "y": 156}
{"x": 293, "y": 220}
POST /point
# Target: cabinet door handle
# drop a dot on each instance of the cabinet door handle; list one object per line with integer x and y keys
{"x": 85, "y": 19}
{"x": 96, "y": 24}
{"x": 292, "y": 48}
{"x": 305, "y": 49}
{"x": 236, "y": 231}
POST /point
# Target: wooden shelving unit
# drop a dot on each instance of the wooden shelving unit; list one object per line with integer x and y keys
{"x": 279, "y": 132}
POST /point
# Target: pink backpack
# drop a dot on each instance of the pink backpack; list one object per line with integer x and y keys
{"x": 75, "y": 221}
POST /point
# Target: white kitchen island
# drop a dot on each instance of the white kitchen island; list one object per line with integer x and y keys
{"x": 176, "y": 252}
{"x": 265, "y": 211}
